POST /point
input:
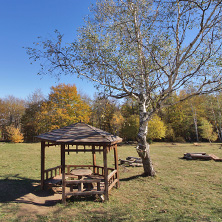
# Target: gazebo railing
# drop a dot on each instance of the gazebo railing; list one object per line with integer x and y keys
{"x": 54, "y": 173}
{"x": 99, "y": 170}
{"x": 112, "y": 179}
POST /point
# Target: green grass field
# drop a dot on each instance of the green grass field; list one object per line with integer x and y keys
{"x": 182, "y": 190}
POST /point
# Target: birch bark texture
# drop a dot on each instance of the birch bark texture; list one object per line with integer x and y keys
{"x": 144, "y": 49}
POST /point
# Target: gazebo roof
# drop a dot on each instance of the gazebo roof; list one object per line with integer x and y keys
{"x": 79, "y": 133}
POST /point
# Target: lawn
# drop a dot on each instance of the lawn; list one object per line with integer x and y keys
{"x": 182, "y": 190}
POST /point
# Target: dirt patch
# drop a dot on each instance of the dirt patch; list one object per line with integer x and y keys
{"x": 37, "y": 203}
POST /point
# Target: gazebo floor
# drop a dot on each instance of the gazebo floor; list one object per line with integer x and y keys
{"x": 57, "y": 180}
{"x": 91, "y": 185}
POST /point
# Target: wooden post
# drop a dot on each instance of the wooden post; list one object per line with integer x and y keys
{"x": 42, "y": 163}
{"x": 61, "y": 155}
{"x": 94, "y": 158}
{"x": 116, "y": 164}
{"x": 63, "y": 173}
{"x": 105, "y": 173}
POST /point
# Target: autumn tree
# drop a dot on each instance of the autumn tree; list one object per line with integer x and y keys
{"x": 117, "y": 122}
{"x": 129, "y": 107}
{"x": 13, "y": 134}
{"x": 103, "y": 110}
{"x": 184, "y": 118}
{"x": 30, "y": 123}
{"x": 145, "y": 50}
{"x": 11, "y": 111}
{"x": 63, "y": 107}
{"x": 2, "y": 119}
{"x": 206, "y": 130}
{"x": 175, "y": 118}
{"x": 194, "y": 109}
{"x": 130, "y": 128}
{"x": 157, "y": 128}
{"x": 212, "y": 107}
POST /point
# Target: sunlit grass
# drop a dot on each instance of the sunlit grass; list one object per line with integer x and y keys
{"x": 182, "y": 190}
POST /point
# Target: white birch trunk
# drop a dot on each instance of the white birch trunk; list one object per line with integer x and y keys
{"x": 143, "y": 148}
{"x": 195, "y": 122}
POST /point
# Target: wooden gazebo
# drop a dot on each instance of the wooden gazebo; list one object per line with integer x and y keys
{"x": 81, "y": 137}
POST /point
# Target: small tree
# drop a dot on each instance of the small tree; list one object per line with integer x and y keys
{"x": 157, "y": 128}
{"x": 206, "y": 130}
{"x": 117, "y": 123}
{"x": 14, "y": 135}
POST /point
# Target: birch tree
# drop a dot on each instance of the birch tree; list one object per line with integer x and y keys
{"x": 144, "y": 49}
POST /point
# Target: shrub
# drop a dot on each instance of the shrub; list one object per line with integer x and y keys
{"x": 179, "y": 139}
{"x": 14, "y": 135}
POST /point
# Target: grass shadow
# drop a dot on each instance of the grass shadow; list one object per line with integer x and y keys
{"x": 133, "y": 177}
{"x": 14, "y": 187}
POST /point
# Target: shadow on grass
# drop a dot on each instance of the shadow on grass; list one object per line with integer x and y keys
{"x": 14, "y": 187}
{"x": 133, "y": 177}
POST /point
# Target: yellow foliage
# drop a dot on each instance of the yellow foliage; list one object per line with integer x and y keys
{"x": 117, "y": 122}
{"x": 156, "y": 128}
{"x": 14, "y": 134}
{"x": 63, "y": 108}
{"x": 206, "y": 130}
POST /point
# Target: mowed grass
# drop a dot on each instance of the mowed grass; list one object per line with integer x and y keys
{"x": 182, "y": 190}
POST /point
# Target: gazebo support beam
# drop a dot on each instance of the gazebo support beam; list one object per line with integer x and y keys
{"x": 106, "y": 192}
{"x": 94, "y": 158}
{"x": 42, "y": 163}
{"x": 116, "y": 164}
{"x": 63, "y": 173}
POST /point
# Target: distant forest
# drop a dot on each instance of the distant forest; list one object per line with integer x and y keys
{"x": 194, "y": 120}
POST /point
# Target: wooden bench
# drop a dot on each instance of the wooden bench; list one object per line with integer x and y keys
{"x": 57, "y": 180}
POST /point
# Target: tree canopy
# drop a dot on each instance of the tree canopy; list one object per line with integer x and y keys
{"x": 137, "y": 47}
{"x": 63, "y": 108}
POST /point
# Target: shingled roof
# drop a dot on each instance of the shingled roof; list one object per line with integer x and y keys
{"x": 79, "y": 133}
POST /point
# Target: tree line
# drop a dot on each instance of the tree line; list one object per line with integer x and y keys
{"x": 196, "y": 119}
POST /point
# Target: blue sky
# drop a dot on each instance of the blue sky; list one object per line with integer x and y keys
{"x": 21, "y": 22}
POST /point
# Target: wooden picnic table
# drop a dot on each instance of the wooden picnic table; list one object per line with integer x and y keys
{"x": 81, "y": 173}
